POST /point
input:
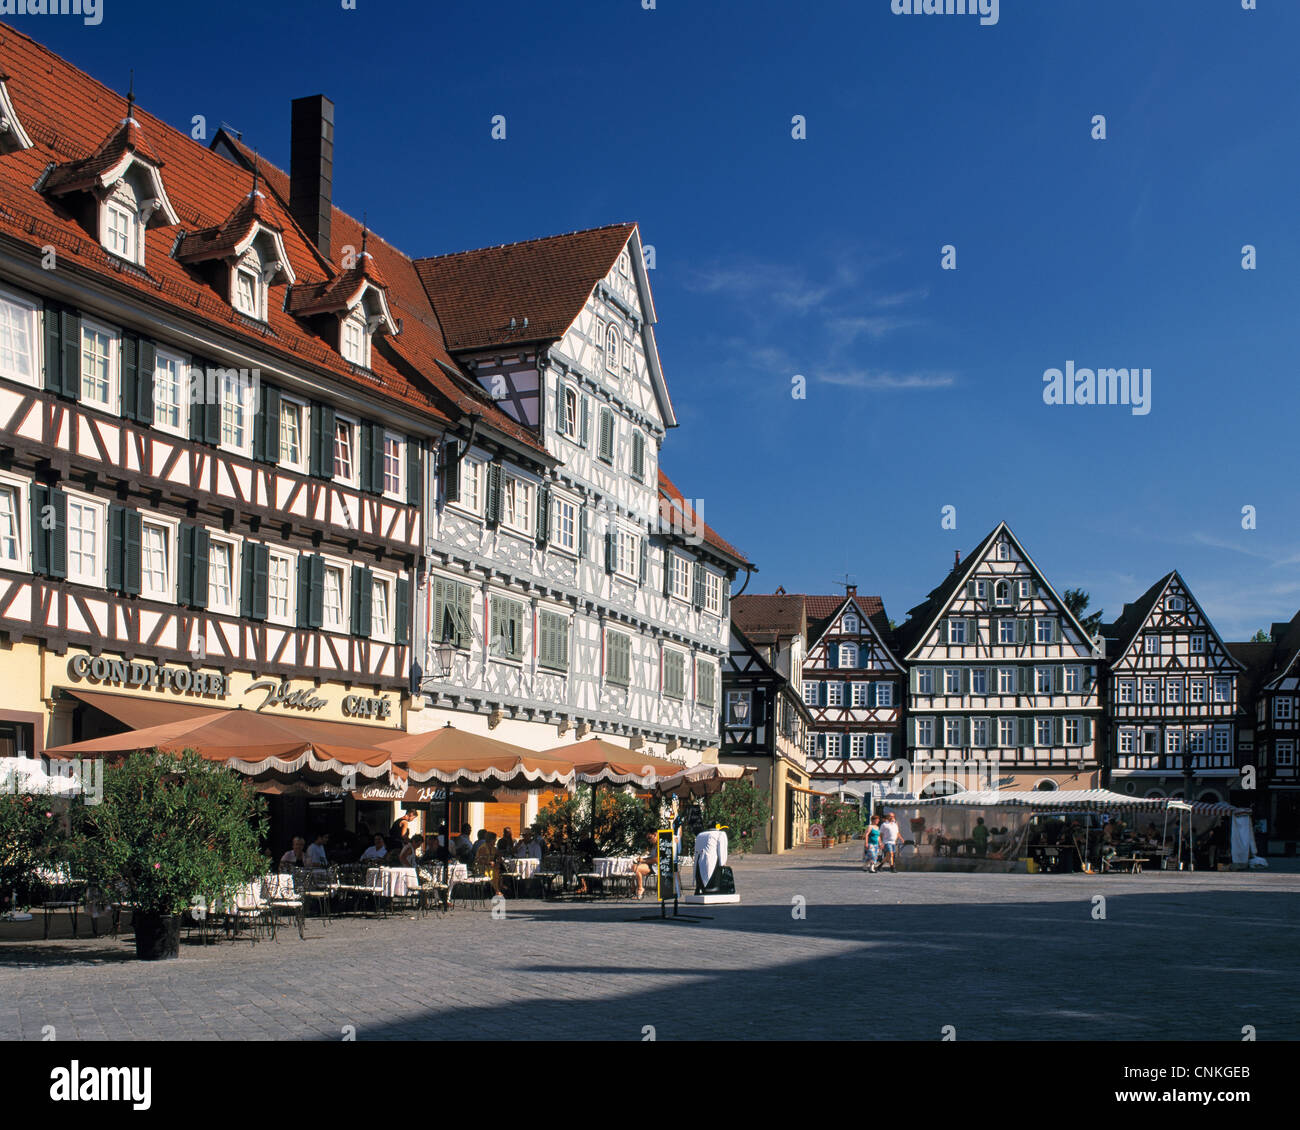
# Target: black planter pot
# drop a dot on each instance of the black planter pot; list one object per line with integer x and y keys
{"x": 157, "y": 936}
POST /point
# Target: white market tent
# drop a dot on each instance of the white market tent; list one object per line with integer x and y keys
{"x": 1082, "y": 800}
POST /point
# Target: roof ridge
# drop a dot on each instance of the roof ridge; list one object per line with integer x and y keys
{"x": 629, "y": 224}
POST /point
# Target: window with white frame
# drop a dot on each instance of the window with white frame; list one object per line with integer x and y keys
{"x": 1026, "y": 589}
{"x": 381, "y": 608}
{"x": 1222, "y": 690}
{"x": 13, "y": 523}
{"x": 858, "y": 745}
{"x": 19, "y": 337}
{"x": 681, "y": 580}
{"x": 832, "y": 745}
{"x": 236, "y": 412}
{"x": 471, "y": 486}
{"x": 1006, "y": 631}
{"x": 1124, "y": 691}
{"x": 981, "y": 590}
{"x": 952, "y": 733}
{"x": 848, "y": 655}
{"x": 924, "y": 680}
{"x": 281, "y": 603}
{"x": 884, "y": 694}
{"x": 979, "y": 732}
{"x": 712, "y": 592}
{"x": 517, "y": 505}
{"x": 1150, "y": 741}
{"x": 99, "y": 347}
{"x": 1002, "y": 594}
{"x": 170, "y": 393}
{"x": 569, "y": 412}
{"x": 612, "y": 342}
{"x": 1004, "y": 551}
{"x": 223, "y": 593}
{"x": 1072, "y": 680}
{"x": 1073, "y": 732}
{"x": 1173, "y": 690}
{"x": 1198, "y": 644}
{"x": 979, "y": 680}
{"x": 157, "y": 559}
{"x": 345, "y": 451}
{"x": 1043, "y": 631}
{"x": 1126, "y": 741}
{"x": 1222, "y": 740}
{"x": 850, "y": 625}
{"x": 1195, "y": 690}
{"x": 1285, "y": 754}
{"x": 1173, "y": 741}
{"x": 565, "y": 534}
{"x": 394, "y": 466}
{"x": 356, "y": 341}
{"x": 248, "y": 293}
{"x": 293, "y": 434}
{"x": 1174, "y": 604}
{"x": 883, "y": 745}
{"x": 1042, "y": 680}
{"x": 121, "y": 231}
{"x": 834, "y": 694}
{"x": 87, "y": 525}
{"x": 810, "y": 693}
{"x": 952, "y": 680}
{"x": 1007, "y": 733}
{"x": 1196, "y": 741}
{"x": 957, "y": 631}
{"x": 861, "y": 694}
{"x": 1043, "y": 731}
{"x": 1150, "y": 690}
{"x": 1151, "y": 645}
{"x": 627, "y": 550}
{"x": 334, "y": 616}
{"x": 925, "y": 732}
{"x": 1283, "y": 708}
{"x": 1006, "y": 680}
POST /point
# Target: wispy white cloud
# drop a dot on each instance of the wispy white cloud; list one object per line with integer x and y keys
{"x": 875, "y": 379}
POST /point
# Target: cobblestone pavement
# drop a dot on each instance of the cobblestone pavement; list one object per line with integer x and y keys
{"x": 1176, "y": 957}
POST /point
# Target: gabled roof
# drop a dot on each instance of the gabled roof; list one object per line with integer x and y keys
{"x": 922, "y": 618}
{"x": 769, "y": 617}
{"x": 669, "y": 493}
{"x": 546, "y": 281}
{"x": 1257, "y": 661}
{"x": 1125, "y": 630}
{"x": 234, "y": 235}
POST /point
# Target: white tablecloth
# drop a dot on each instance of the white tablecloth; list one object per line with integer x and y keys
{"x": 277, "y": 887}
{"x": 393, "y": 882}
{"x": 613, "y": 865}
{"x": 523, "y": 868}
{"x": 459, "y": 872}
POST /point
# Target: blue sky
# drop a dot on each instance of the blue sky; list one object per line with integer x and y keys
{"x": 821, "y": 257}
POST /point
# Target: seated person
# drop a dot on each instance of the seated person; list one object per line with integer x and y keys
{"x": 410, "y": 851}
{"x": 488, "y": 860}
{"x": 644, "y": 867}
{"x": 316, "y": 853}
{"x": 376, "y": 851}
{"x": 297, "y": 853}
{"x": 530, "y": 847}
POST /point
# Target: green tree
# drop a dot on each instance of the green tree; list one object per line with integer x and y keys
{"x": 30, "y": 835}
{"x": 1261, "y": 637}
{"x": 1077, "y": 600}
{"x": 171, "y": 830}
{"x": 743, "y": 809}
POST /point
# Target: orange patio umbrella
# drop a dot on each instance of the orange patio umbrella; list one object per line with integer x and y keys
{"x": 462, "y": 758}
{"x": 596, "y": 761}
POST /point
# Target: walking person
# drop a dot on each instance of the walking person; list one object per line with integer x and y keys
{"x": 871, "y": 846}
{"x": 889, "y": 842}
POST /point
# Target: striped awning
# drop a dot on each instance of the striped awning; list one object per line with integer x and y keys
{"x": 1096, "y": 800}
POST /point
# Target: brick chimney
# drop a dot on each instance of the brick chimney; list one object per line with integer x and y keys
{"x": 311, "y": 167}
{"x": 851, "y": 590}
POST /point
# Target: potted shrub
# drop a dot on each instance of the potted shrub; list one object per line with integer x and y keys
{"x": 169, "y": 833}
{"x": 30, "y": 835}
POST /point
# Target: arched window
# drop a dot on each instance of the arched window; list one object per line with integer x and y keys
{"x": 1002, "y": 594}
{"x": 1046, "y": 785}
{"x": 611, "y": 349}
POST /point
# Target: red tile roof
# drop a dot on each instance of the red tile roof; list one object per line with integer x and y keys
{"x": 547, "y": 281}
{"x": 421, "y": 344}
{"x": 126, "y": 137}
{"x": 765, "y": 616}
{"x": 222, "y": 240}
{"x": 69, "y": 116}
{"x": 670, "y": 493}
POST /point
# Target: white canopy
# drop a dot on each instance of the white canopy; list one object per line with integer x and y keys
{"x": 1058, "y": 799}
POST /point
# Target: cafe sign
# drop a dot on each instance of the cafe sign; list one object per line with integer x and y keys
{"x": 130, "y": 673}
{"x": 279, "y": 694}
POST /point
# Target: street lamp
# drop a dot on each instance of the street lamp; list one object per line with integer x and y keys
{"x": 446, "y": 654}
{"x": 740, "y": 709}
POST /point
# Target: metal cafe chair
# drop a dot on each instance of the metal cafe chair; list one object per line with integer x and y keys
{"x": 316, "y": 887}
{"x": 283, "y": 894}
{"x": 62, "y": 894}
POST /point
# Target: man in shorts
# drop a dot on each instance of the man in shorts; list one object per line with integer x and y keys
{"x": 889, "y": 842}
{"x": 871, "y": 847}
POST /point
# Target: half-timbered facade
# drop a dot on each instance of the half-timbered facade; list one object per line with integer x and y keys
{"x": 1270, "y": 772}
{"x": 1003, "y": 684}
{"x": 581, "y": 591}
{"x": 214, "y": 423}
{"x": 764, "y": 724}
{"x": 1173, "y": 708}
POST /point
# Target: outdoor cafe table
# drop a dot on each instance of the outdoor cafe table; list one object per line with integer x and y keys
{"x": 522, "y": 868}
{"x": 393, "y": 882}
{"x": 613, "y": 865}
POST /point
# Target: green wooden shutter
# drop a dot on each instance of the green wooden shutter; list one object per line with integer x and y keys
{"x": 668, "y": 571}
{"x": 366, "y": 466}
{"x": 53, "y": 348}
{"x": 130, "y": 353}
{"x": 248, "y": 564}
{"x": 645, "y": 559}
{"x": 304, "y": 590}
{"x": 116, "y": 541}
{"x": 261, "y": 581}
{"x": 212, "y": 417}
{"x": 266, "y": 434}
{"x": 377, "y": 459}
{"x": 362, "y": 580}
{"x": 516, "y": 611}
{"x": 609, "y": 551}
{"x": 582, "y": 530}
{"x": 606, "y": 448}
{"x": 70, "y": 347}
{"x": 38, "y": 500}
{"x": 322, "y": 440}
{"x": 58, "y": 560}
{"x": 638, "y": 455}
{"x": 198, "y": 411}
{"x": 464, "y": 615}
{"x": 202, "y": 561}
{"x": 185, "y": 566}
{"x": 586, "y": 412}
{"x": 493, "y": 510}
{"x": 402, "y": 614}
{"x": 316, "y": 591}
{"x": 413, "y": 480}
{"x": 699, "y": 585}
{"x": 450, "y": 471}
{"x": 438, "y": 613}
{"x": 832, "y": 655}
{"x": 148, "y": 365}
{"x": 543, "y": 514}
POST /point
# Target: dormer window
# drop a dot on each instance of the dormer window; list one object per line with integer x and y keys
{"x": 624, "y": 265}
{"x": 248, "y": 293}
{"x": 356, "y": 341}
{"x": 121, "y": 231}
